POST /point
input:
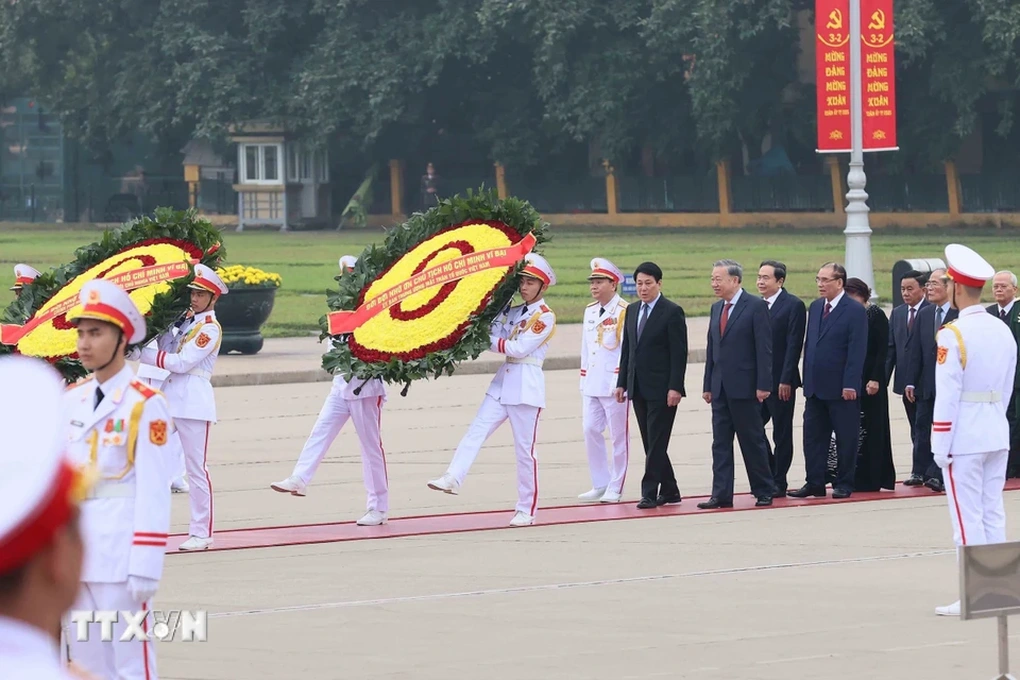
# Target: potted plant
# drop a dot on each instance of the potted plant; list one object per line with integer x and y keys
{"x": 245, "y": 309}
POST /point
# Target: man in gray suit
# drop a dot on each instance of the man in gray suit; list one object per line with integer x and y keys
{"x": 738, "y": 378}
{"x": 901, "y": 323}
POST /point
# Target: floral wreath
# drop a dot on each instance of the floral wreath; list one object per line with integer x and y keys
{"x": 153, "y": 258}
{"x": 422, "y": 302}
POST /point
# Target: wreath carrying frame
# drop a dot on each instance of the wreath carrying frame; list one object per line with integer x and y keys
{"x": 166, "y": 225}
{"x": 520, "y": 223}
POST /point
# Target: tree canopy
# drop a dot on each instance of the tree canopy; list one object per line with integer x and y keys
{"x": 517, "y": 78}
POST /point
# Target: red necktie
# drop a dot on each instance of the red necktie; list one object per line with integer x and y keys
{"x": 724, "y": 318}
{"x": 828, "y": 310}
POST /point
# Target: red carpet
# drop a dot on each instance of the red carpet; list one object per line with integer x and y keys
{"x": 304, "y": 534}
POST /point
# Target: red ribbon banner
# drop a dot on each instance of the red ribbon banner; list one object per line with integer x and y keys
{"x": 345, "y": 321}
{"x": 129, "y": 280}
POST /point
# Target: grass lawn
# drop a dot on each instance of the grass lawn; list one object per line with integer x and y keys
{"x": 307, "y": 261}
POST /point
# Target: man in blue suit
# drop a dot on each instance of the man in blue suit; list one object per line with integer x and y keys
{"x": 834, "y": 351}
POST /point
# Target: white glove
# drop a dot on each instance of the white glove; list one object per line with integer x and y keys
{"x": 943, "y": 460}
{"x": 135, "y": 354}
{"x": 142, "y": 589}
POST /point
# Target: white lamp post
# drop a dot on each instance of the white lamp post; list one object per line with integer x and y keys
{"x": 858, "y": 228}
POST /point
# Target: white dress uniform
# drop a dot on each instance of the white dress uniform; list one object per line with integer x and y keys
{"x": 155, "y": 377}
{"x": 39, "y": 489}
{"x": 516, "y": 393}
{"x": 189, "y": 393}
{"x": 118, "y": 430}
{"x": 361, "y": 402}
{"x": 24, "y": 275}
{"x": 601, "y": 342}
{"x": 974, "y": 370}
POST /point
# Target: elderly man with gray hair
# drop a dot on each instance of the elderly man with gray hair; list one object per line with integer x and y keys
{"x": 1004, "y": 289}
{"x": 738, "y": 378}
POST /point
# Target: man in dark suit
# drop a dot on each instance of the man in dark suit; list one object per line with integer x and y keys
{"x": 653, "y": 363}
{"x": 738, "y": 378}
{"x": 901, "y": 322}
{"x": 834, "y": 351}
{"x": 1004, "y": 288}
{"x": 920, "y": 378}
{"x": 788, "y": 315}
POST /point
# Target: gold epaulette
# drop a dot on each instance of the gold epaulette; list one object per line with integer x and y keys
{"x": 592, "y": 303}
{"x": 959, "y": 339}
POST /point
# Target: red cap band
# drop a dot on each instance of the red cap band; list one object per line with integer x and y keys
{"x": 39, "y": 527}
{"x": 207, "y": 284}
{"x": 536, "y": 273}
{"x": 103, "y": 312}
{"x": 965, "y": 280}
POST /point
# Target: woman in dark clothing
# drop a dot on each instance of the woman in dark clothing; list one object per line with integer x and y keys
{"x": 874, "y": 456}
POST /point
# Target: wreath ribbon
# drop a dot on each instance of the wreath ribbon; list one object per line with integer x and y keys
{"x": 11, "y": 334}
{"x": 346, "y": 321}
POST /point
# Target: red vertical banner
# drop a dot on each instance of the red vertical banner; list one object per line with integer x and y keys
{"x": 832, "y": 74}
{"x": 878, "y": 75}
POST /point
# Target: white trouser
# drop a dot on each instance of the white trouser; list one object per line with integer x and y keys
{"x": 177, "y": 471}
{"x": 113, "y": 660}
{"x": 524, "y": 423}
{"x": 600, "y": 412}
{"x": 194, "y": 436}
{"x": 974, "y": 484}
{"x": 366, "y": 414}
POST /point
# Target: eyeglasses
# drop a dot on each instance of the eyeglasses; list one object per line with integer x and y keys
{"x": 819, "y": 279}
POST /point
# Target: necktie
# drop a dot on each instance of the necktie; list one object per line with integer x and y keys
{"x": 524, "y": 310}
{"x": 725, "y": 317}
{"x": 1002, "y": 314}
{"x": 827, "y": 311}
{"x": 641, "y": 321}
{"x": 99, "y": 398}
{"x": 910, "y": 321}
{"x": 602, "y": 310}
{"x": 938, "y": 320}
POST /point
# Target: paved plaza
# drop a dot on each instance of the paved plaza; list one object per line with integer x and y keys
{"x": 842, "y": 590}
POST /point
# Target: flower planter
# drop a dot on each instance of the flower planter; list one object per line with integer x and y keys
{"x": 242, "y": 312}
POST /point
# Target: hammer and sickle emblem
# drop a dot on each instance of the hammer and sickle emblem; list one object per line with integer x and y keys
{"x": 877, "y": 21}
{"x": 835, "y": 20}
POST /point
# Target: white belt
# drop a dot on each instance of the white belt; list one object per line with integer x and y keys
{"x": 111, "y": 490}
{"x": 990, "y": 397}
{"x": 531, "y": 361}
{"x": 200, "y": 373}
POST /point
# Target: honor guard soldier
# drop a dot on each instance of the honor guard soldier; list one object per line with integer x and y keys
{"x": 517, "y": 392}
{"x": 600, "y": 369}
{"x": 154, "y": 377}
{"x": 23, "y": 275}
{"x": 974, "y": 369}
{"x": 189, "y": 393}
{"x": 41, "y": 546}
{"x": 361, "y": 402}
{"x": 118, "y": 429}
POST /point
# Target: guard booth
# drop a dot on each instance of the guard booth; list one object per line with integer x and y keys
{"x": 925, "y": 266}
{"x": 283, "y": 181}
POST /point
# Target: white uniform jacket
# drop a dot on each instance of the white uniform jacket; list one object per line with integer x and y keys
{"x": 168, "y": 343}
{"x": 974, "y": 372}
{"x": 126, "y": 518}
{"x": 524, "y": 338}
{"x": 601, "y": 341}
{"x": 371, "y": 389}
{"x": 190, "y": 362}
{"x": 27, "y": 653}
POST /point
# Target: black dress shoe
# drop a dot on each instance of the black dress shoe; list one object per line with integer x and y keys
{"x": 646, "y": 503}
{"x": 780, "y": 493}
{"x": 935, "y": 485}
{"x": 713, "y": 503}
{"x": 915, "y": 480}
{"x": 840, "y": 493}
{"x": 663, "y": 499}
{"x": 763, "y": 501}
{"x": 807, "y": 490}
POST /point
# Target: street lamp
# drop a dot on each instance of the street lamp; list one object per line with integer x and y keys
{"x": 858, "y": 227}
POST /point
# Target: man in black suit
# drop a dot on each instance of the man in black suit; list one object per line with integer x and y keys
{"x": 920, "y": 378}
{"x": 653, "y": 363}
{"x": 834, "y": 351}
{"x": 788, "y": 315}
{"x": 901, "y": 322}
{"x": 1004, "y": 288}
{"x": 738, "y": 378}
